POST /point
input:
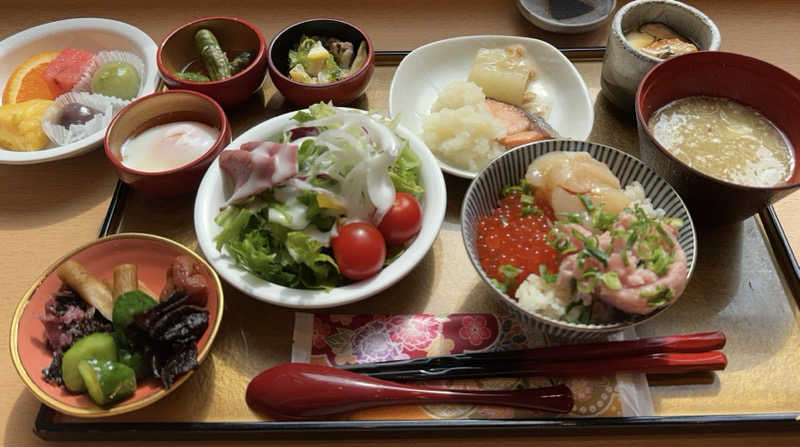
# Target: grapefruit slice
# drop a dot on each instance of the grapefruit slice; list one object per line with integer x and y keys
{"x": 27, "y": 81}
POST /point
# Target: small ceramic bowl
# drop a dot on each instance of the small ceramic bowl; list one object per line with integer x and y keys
{"x": 152, "y": 255}
{"x": 624, "y": 66}
{"x": 485, "y": 192}
{"x": 90, "y": 34}
{"x": 178, "y": 51}
{"x": 341, "y": 92}
{"x": 542, "y": 15}
{"x": 749, "y": 81}
{"x": 161, "y": 108}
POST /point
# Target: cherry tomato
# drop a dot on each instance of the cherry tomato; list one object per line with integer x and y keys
{"x": 403, "y": 220}
{"x": 359, "y": 250}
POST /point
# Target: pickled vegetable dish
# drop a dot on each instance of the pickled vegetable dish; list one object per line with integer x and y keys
{"x": 106, "y": 336}
{"x": 332, "y": 200}
{"x": 320, "y": 60}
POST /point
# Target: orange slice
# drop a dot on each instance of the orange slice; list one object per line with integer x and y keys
{"x": 27, "y": 80}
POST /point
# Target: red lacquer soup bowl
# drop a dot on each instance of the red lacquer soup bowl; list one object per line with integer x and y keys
{"x": 152, "y": 255}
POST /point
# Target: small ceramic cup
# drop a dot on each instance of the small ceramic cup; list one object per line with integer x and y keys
{"x": 624, "y": 66}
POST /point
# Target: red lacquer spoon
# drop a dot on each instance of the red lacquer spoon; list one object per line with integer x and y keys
{"x": 306, "y": 391}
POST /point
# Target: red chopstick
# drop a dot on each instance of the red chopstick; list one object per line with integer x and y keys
{"x": 669, "y": 354}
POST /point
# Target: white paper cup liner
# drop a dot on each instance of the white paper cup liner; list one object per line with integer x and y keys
{"x": 104, "y": 57}
{"x": 107, "y": 106}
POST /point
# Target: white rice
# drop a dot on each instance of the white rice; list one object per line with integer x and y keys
{"x": 537, "y": 296}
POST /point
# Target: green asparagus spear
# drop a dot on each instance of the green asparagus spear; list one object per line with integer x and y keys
{"x": 214, "y": 58}
{"x": 241, "y": 61}
{"x": 192, "y": 76}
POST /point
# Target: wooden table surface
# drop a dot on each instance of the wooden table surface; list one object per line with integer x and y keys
{"x": 47, "y": 209}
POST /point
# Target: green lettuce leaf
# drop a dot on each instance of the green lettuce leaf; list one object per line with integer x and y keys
{"x": 404, "y": 172}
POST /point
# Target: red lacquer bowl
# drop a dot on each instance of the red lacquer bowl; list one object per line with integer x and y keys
{"x": 161, "y": 108}
{"x": 152, "y": 255}
{"x": 178, "y": 50}
{"x": 749, "y": 81}
{"x": 341, "y": 92}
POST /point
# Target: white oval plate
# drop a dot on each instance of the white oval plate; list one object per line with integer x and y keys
{"x": 90, "y": 34}
{"x": 428, "y": 69}
{"x": 215, "y": 189}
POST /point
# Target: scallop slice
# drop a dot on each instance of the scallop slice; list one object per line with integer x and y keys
{"x": 613, "y": 199}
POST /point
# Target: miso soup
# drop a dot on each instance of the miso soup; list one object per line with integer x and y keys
{"x": 724, "y": 139}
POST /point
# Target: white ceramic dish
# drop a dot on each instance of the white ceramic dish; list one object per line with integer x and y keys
{"x": 215, "y": 189}
{"x": 91, "y": 34}
{"x": 428, "y": 69}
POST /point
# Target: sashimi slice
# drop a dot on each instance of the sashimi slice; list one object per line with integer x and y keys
{"x": 66, "y": 69}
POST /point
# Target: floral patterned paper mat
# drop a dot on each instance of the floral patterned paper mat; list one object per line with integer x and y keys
{"x": 348, "y": 339}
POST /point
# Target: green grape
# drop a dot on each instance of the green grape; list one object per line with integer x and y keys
{"x": 116, "y": 78}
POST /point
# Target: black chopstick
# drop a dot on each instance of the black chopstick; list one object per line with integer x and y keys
{"x": 532, "y": 361}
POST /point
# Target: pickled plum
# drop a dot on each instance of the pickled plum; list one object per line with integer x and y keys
{"x": 116, "y": 78}
{"x": 74, "y": 113}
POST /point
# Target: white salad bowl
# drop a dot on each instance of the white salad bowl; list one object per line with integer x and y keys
{"x": 90, "y": 34}
{"x": 428, "y": 69}
{"x": 215, "y": 189}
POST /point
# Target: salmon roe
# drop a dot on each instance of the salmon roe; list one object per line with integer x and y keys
{"x": 508, "y": 238}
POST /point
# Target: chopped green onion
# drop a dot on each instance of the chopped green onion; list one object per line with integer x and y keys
{"x": 597, "y": 254}
{"x": 509, "y": 271}
{"x": 611, "y": 280}
{"x": 572, "y": 217}
{"x": 527, "y": 210}
{"x": 586, "y": 314}
{"x": 499, "y": 285}
{"x": 526, "y": 198}
{"x": 673, "y": 221}
{"x": 658, "y": 297}
{"x": 667, "y": 238}
{"x": 549, "y": 278}
{"x": 603, "y": 220}
{"x": 569, "y": 308}
{"x": 509, "y": 189}
{"x": 587, "y": 202}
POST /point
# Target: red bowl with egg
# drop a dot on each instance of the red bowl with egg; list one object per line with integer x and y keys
{"x": 177, "y": 51}
{"x": 341, "y": 92}
{"x": 159, "y": 109}
{"x": 766, "y": 88}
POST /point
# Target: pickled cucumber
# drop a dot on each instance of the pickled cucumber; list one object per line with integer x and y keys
{"x": 125, "y": 306}
{"x": 116, "y": 78}
{"x": 107, "y": 381}
{"x": 136, "y": 362}
{"x": 191, "y": 76}
{"x": 241, "y": 61}
{"x": 99, "y": 346}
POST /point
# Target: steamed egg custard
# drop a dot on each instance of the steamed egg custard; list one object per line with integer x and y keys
{"x": 724, "y": 139}
{"x": 168, "y": 146}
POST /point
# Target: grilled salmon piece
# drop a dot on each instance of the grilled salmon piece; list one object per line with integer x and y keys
{"x": 522, "y": 127}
